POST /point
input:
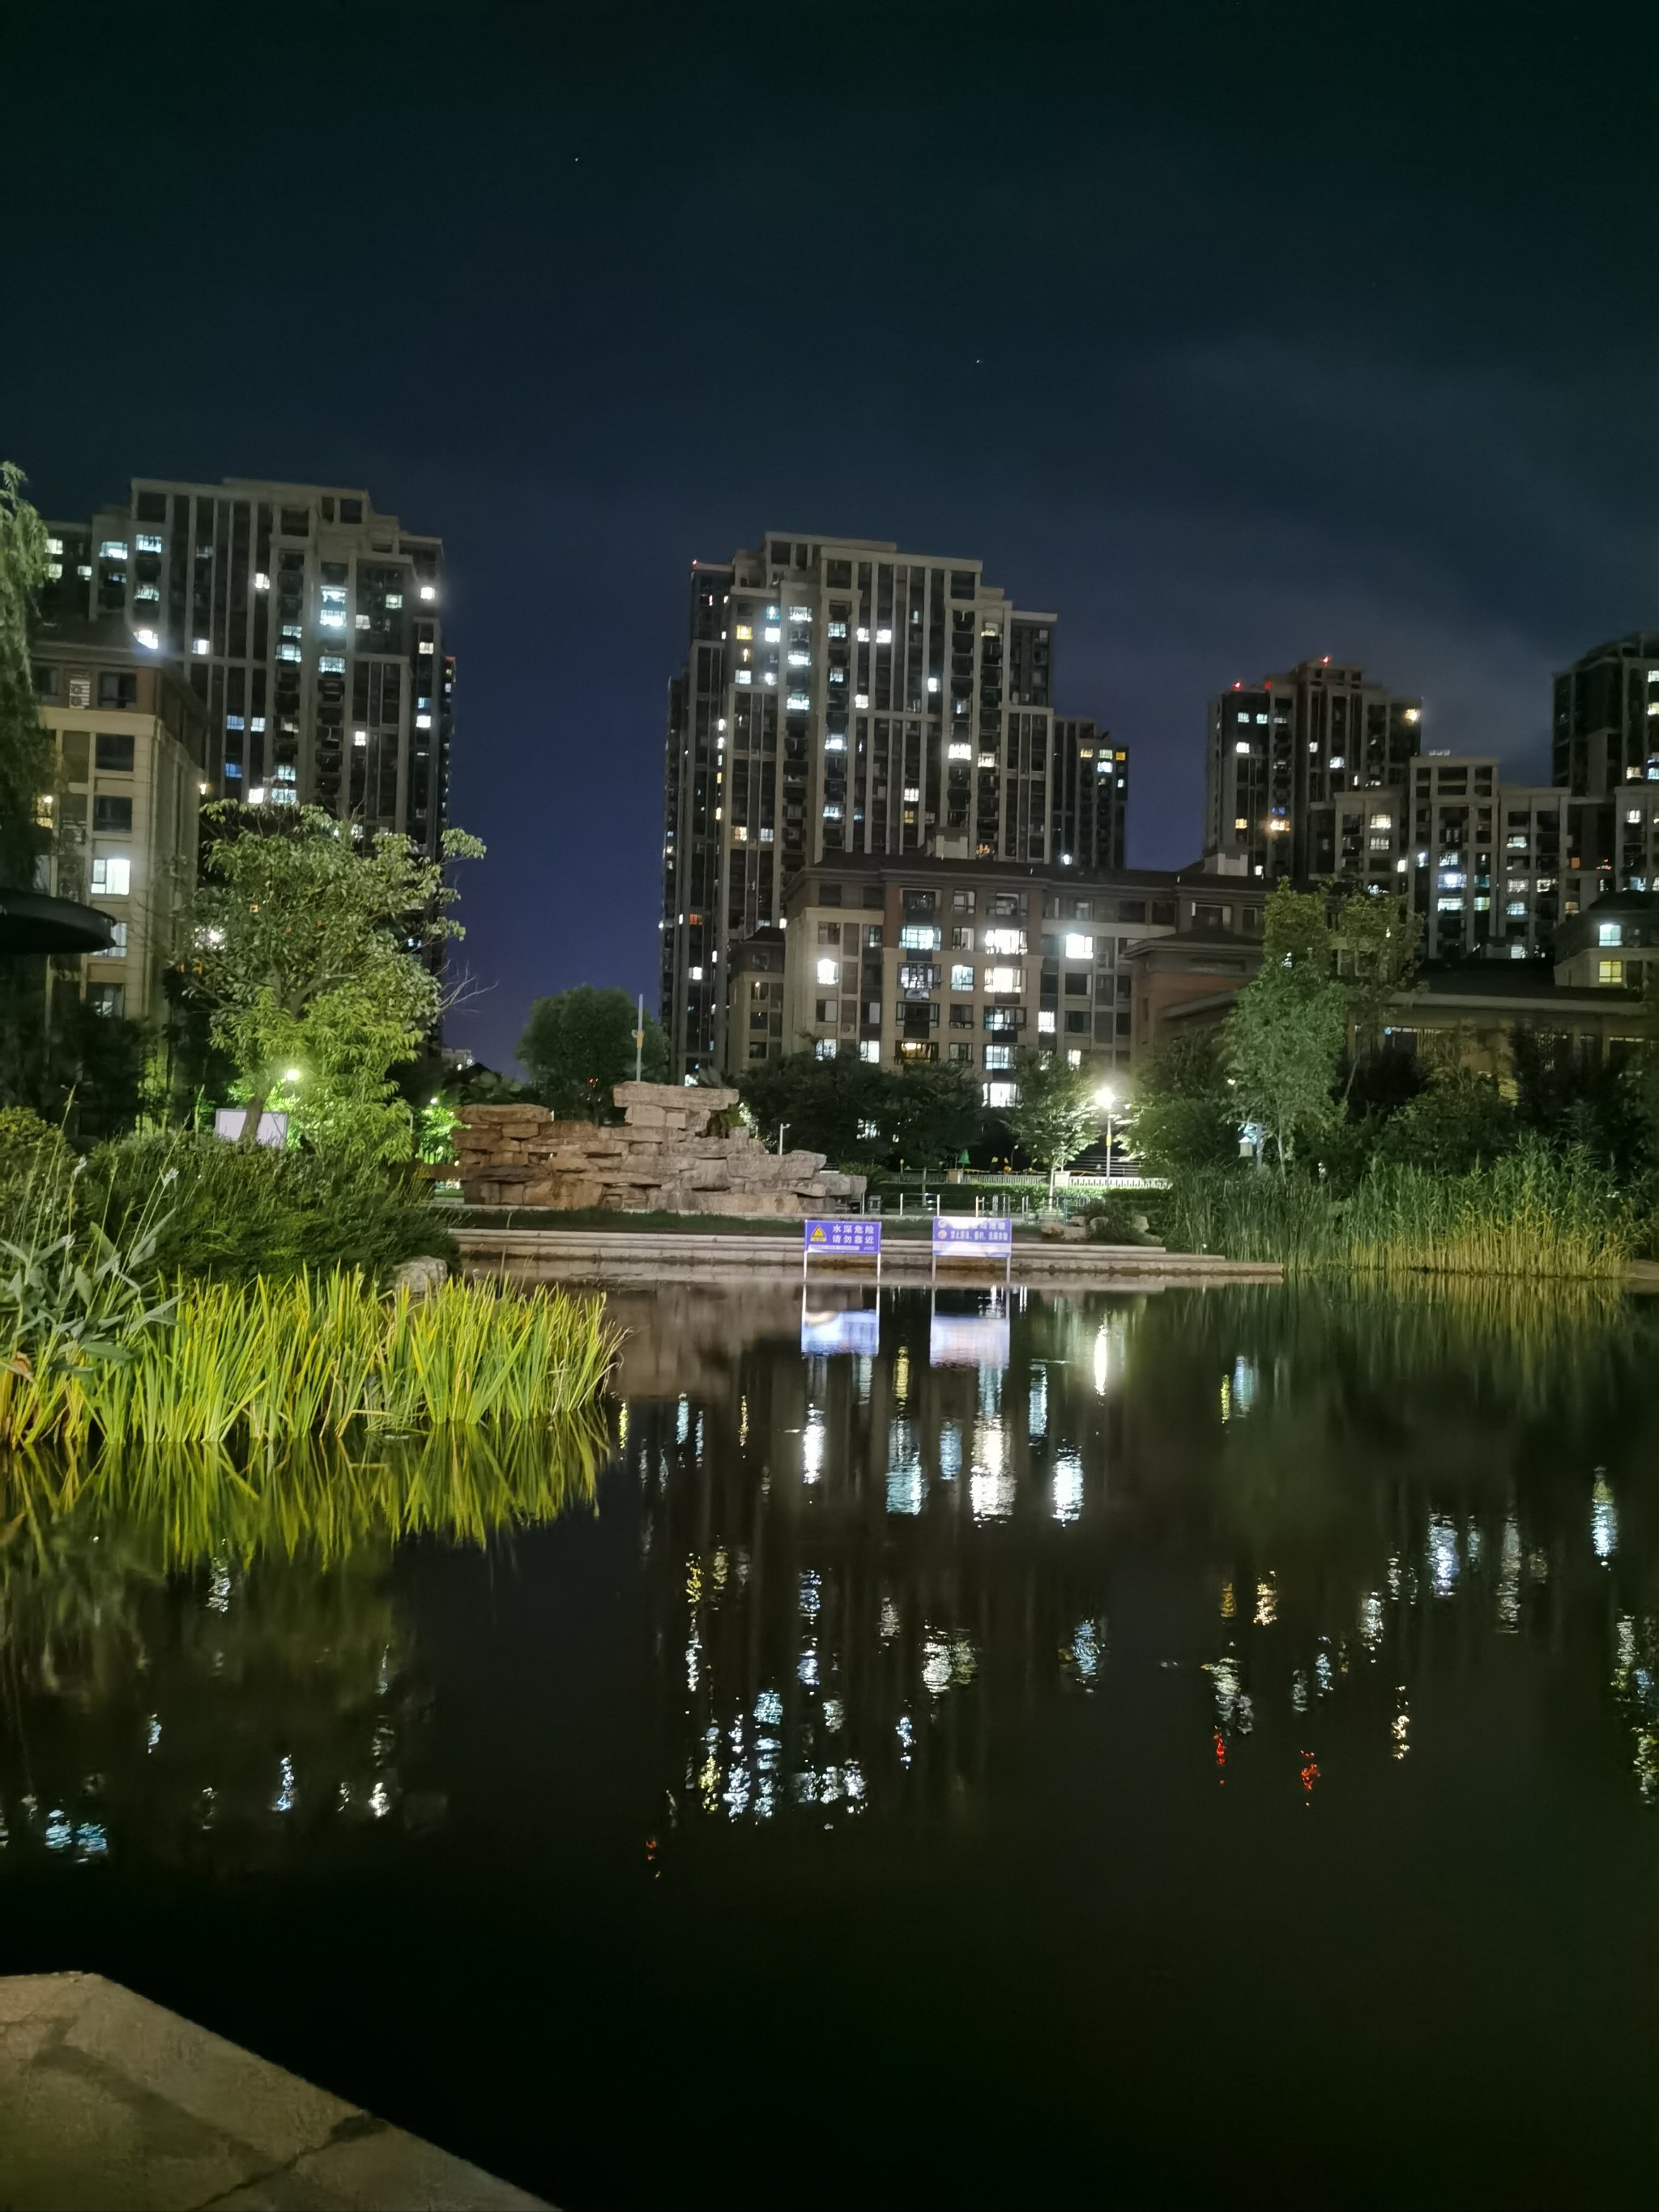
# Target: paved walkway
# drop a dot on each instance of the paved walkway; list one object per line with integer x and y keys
{"x": 110, "y": 2104}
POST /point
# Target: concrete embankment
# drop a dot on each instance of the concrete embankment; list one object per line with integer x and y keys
{"x": 106, "y": 2100}
{"x": 634, "y": 1255}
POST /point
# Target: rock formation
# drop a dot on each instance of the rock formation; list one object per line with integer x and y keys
{"x": 665, "y": 1157}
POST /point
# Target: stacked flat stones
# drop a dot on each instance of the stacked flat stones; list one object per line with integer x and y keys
{"x": 663, "y": 1158}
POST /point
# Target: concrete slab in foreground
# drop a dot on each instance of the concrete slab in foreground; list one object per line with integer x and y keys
{"x": 110, "y": 2104}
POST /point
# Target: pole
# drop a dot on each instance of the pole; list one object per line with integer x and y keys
{"x": 639, "y": 1039}
{"x": 782, "y": 1126}
{"x": 1109, "y": 1144}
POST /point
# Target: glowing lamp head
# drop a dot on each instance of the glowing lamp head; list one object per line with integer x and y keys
{"x": 1105, "y": 1097}
{"x": 290, "y": 1075}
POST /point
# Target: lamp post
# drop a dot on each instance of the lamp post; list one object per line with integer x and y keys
{"x": 1106, "y": 1099}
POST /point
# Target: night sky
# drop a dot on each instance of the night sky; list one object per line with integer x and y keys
{"x": 1233, "y": 334}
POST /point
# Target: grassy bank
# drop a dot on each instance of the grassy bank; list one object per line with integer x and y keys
{"x": 309, "y": 1356}
{"x": 1534, "y": 1213}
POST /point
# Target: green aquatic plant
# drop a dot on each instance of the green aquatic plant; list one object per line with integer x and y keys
{"x": 314, "y": 1355}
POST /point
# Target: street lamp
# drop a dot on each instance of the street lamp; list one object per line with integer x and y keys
{"x": 1106, "y": 1099}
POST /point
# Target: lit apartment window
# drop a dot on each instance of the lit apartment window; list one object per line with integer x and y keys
{"x": 1242, "y": 747}
{"x": 428, "y": 591}
{"x": 861, "y": 698}
{"x": 829, "y": 971}
{"x": 199, "y": 646}
{"x": 394, "y": 598}
{"x": 1075, "y": 1056}
{"x": 744, "y": 630}
{"x": 116, "y": 947}
{"x": 1610, "y": 932}
{"x": 1002, "y": 978}
{"x": 962, "y": 979}
{"x": 1045, "y": 1025}
{"x": 330, "y": 664}
{"x": 113, "y": 549}
{"x": 883, "y": 637}
{"x": 1006, "y": 942}
{"x": 824, "y": 1049}
{"x": 838, "y": 629}
{"x": 958, "y": 750}
{"x": 998, "y": 1055}
{"x": 149, "y": 639}
{"x": 870, "y": 1049}
{"x": 771, "y": 633}
{"x": 921, "y": 937}
{"x": 1610, "y": 971}
{"x": 1001, "y": 1094}
{"x": 800, "y": 660}
{"x": 912, "y": 795}
{"x": 1079, "y": 948}
{"x": 112, "y": 875}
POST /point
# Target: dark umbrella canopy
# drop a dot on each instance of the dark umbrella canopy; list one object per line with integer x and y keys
{"x": 31, "y": 922}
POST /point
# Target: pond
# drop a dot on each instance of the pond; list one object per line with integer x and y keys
{"x": 1166, "y": 1746}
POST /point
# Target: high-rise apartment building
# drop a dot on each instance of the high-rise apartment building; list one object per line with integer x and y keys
{"x": 1605, "y": 729}
{"x": 840, "y": 696}
{"x": 1281, "y": 747}
{"x": 311, "y": 628}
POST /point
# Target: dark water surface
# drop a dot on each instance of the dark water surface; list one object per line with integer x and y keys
{"x": 1176, "y": 1748}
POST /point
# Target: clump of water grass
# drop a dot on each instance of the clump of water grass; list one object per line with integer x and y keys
{"x": 316, "y": 1355}
{"x": 1534, "y": 1213}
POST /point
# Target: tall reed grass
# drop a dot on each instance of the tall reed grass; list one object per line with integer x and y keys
{"x": 311, "y": 1356}
{"x": 1534, "y": 1213}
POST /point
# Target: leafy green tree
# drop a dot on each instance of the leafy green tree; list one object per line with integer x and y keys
{"x": 1460, "y": 1120}
{"x": 1055, "y": 1117}
{"x": 1376, "y": 942}
{"x": 1184, "y": 1116}
{"x": 578, "y": 1045}
{"x": 930, "y": 1110}
{"x": 26, "y": 752}
{"x": 835, "y": 1107}
{"x": 306, "y": 945}
{"x": 1288, "y": 1026}
{"x": 25, "y": 768}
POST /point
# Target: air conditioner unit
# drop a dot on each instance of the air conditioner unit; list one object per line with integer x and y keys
{"x": 80, "y": 690}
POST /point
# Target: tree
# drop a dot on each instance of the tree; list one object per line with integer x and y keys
{"x": 26, "y": 771}
{"x": 930, "y": 1110}
{"x": 578, "y": 1045}
{"x": 835, "y": 1107}
{"x": 1183, "y": 1106}
{"x": 26, "y": 750}
{"x": 1376, "y": 943}
{"x": 1055, "y": 1117}
{"x": 1288, "y": 1026}
{"x": 307, "y": 945}
{"x": 1458, "y": 1121}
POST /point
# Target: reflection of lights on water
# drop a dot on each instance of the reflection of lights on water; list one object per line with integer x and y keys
{"x": 890, "y": 1619}
{"x": 218, "y": 1593}
{"x": 1324, "y": 1674}
{"x": 1399, "y": 1728}
{"x": 693, "y": 1646}
{"x": 905, "y": 1730}
{"x": 1226, "y": 1399}
{"x": 990, "y": 1392}
{"x": 808, "y": 1669}
{"x": 1085, "y": 1655}
{"x": 946, "y": 1660}
{"x": 1370, "y": 1620}
{"x": 1233, "y": 1707}
{"x": 834, "y": 1715}
{"x": 1267, "y": 1604}
{"x": 1298, "y": 1692}
{"x": 906, "y": 1484}
{"x": 811, "y": 1445}
{"x": 1509, "y": 1578}
{"x": 1444, "y": 1562}
{"x": 717, "y": 1569}
{"x": 743, "y": 1421}
{"x": 1604, "y": 1518}
{"x": 1245, "y": 1385}
{"x": 864, "y": 1370}
{"x": 988, "y": 1447}
{"x": 59, "y": 1831}
{"x": 1228, "y": 1602}
{"x": 1068, "y": 1486}
{"x": 902, "y": 1374}
{"x": 1036, "y": 1405}
{"x": 284, "y": 1800}
{"x": 1102, "y": 1361}
{"x": 769, "y": 1709}
{"x": 950, "y": 1449}
{"x": 682, "y": 1420}
{"x": 152, "y": 1733}
{"x": 1538, "y": 1566}
{"x": 991, "y": 1496}
{"x": 811, "y": 1597}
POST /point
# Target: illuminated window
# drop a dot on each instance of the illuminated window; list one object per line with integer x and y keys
{"x": 1242, "y": 747}
{"x": 198, "y": 645}
{"x": 919, "y": 937}
{"x": 771, "y": 633}
{"x": 112, "y": 549}
{"x": 112, "y": 876}
{"x": 1610, "y": 932}
{"x": 962, "y": 978}
{"x": 829, "y": 971}
{"x": 1079, "y": 948}
{"x": 1001, "y": 1094}
{"x": 145, "y": 542}
{"x": 1610, "y": 971}
{"x": 1045, "y": 1025}
{"x": 1006, "y": 942}
{"x": 428, "y": 591}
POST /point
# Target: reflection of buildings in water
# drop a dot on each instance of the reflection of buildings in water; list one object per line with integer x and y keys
{"x": 876, "y": 1555}
{"x": 224, "y": 1715}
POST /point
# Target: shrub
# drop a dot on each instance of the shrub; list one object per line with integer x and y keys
{"x": 31, "y": 1151}
{"x": 234, "y": 1212}
{"x": 1114, "y": 1220}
